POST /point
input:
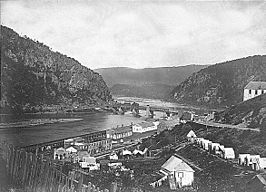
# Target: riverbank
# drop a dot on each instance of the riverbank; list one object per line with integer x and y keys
{"x": 165, "y": 104}
{"x": 36, "y": 122}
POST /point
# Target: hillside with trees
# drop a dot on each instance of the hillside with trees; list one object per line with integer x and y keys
{"x": 35, "y": 78}
{"x": 156, "y": 83}
{"x": 221, "y": 84}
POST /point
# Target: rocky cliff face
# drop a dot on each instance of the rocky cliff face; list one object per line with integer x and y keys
{"x": 34, "y": 77}
{"x": 221, "y": 84}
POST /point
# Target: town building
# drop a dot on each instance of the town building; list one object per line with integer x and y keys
{"x": 98, "y": 146}
{"x": 139, "y": 153}
{"x": 94, "y": 143}
{"x": 254, "y": 89}
{"x": 179, "y": 173}
{"x": 145, "y": 126}
{"x": 113, "y": 156}
{"x": 121, "y": 132}
{"x": 191, "y": 136}
{"x": 82, "y": 155}
{"x": 89, "y": 163}
{"x": 71, "y": 149}
{"x": 126, "y": 153}
{"x": 187, "y": 116}
{"x": 60, "y": 153}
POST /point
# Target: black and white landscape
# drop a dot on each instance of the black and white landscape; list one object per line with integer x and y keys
{"x": 133, "y": 96}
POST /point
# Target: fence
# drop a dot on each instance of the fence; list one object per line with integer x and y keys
{"x": 35, "y": 174}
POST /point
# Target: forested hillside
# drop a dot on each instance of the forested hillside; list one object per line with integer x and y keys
{"x": 221, "y": 84}
{"x": 35, "y": 78}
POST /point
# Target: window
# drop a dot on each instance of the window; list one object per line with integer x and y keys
{"x": 250, "y": 91}
{"x": 180, "y": 174}
{"x": 256, "y": 92}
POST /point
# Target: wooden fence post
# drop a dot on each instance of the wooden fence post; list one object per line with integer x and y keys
{"x": 11, "y": 162}
{"x": 89, "y": 187}
{"x": 93, "y": 188}
{"x": 15, "y": 167}
{"x": 46, "y": 177}
{"x": 28, "y": 172}
{"x": 80, "y": 183}
{"x": 24, "y": 168}
{"x": 19, "y": 168}
{"x": 32, "y": 172}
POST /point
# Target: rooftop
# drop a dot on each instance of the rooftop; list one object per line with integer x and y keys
{"x": 176, "y": 164}
{"x": 145, "y": 124}
{"x": 122, "y": 129}
{"x": 256, "y": 85}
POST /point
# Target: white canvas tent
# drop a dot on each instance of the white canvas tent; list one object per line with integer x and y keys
{"x": 228, "y": 153}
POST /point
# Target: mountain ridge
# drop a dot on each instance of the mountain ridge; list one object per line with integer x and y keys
{"x": 153, "y": 83}
{"x": 221, "y": 84}
{"x": 35, "y": 77}
{"x": 162, "y": 75}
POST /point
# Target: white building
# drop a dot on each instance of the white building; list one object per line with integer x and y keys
{"x": 113, "y": 156}
{"x": 176, "y": 168}
{"x": 205, "y": 143}
{"x": 89, "y": 163}
{"x": 214, "y": 148}
{"x": 60, "y": 153}
{"x": 262, "y": 163}
{"x": 71, "y": 150}
{"x": 243, "y": 159}
{"x": 191, "y": 136}
{"x": 228, "y": 153}
{"x": 145, "y": 126}
{"x": 254, "y": 89}
{"x": 254, "y": 161}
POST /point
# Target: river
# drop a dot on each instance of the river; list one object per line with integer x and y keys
{"x": 42, "y": 133}
{"x": 90, "y": 122}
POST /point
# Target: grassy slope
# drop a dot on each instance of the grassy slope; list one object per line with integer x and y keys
{"x": 252, "y": 112}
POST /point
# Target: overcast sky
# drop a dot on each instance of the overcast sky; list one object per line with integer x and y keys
{"x": 141, "y": 33}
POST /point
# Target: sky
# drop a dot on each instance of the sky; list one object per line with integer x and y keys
{"x": 142, "y": 33}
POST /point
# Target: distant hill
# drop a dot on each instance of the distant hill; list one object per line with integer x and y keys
{"x": 160, "y": 75}
{"x": 34, "y": 77}
{"x": 153, "y": 91}
{"x": 148, "y": 82}
{"x": 251, "y": 112}
{"x": 221, "y": 84}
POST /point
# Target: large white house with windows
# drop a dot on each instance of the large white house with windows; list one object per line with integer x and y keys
{"x": 254, "y": 89}
{"x": 182, "y": 173}
{"x": 145, "y": 126}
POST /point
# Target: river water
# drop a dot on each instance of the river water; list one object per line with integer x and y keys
{"x": 42, "y": 133}
{"x": 90, "y": 122}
